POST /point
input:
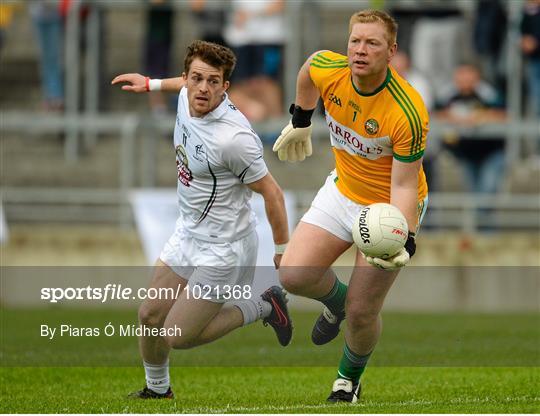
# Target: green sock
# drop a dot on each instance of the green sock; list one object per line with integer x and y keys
{"x": 335, "y": 299}
{"x": 352, "y": 365}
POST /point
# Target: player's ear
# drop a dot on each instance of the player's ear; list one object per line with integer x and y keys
{"x": 226, "y": 85}
{"x": 393, "y": 50}
{"x": 184, "y": 75}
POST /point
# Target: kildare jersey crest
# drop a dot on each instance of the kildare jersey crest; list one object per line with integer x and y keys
{"x": 182, "y": 165}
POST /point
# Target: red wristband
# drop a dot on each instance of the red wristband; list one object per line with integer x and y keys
{"x": 147, "y": 83}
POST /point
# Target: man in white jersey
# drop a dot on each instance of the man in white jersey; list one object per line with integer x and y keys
{"x": 212, "y": 253}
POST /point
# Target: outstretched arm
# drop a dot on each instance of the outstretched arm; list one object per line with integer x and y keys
{"x": 139, "y": 83}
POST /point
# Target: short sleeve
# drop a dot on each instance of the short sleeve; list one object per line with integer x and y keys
{"x": 410, "y": 134}
{"x": 243, "y": 156}
{"x": 324, "y": 66}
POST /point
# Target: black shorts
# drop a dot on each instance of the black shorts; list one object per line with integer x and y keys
{"x": 257, "y": 60}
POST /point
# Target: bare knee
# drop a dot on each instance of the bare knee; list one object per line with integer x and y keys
{"x": 296, "y": 279}
{"x": 290, "y": 281}
{"x": 359, "y": 317}
{"x": 152, "y": 315}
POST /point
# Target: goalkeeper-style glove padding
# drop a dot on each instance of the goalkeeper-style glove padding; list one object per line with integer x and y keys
{"x": 398, "y": 260}
{"x": 293, "y": 144}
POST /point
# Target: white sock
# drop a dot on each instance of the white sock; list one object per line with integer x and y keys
{"x": 157, "y": 377}
{"x": 253, "y": 310}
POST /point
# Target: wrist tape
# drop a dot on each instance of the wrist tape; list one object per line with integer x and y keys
{"x": 153, "y": 84}
{"x": 300, "y": 117}
{"x": 410, "y": 245}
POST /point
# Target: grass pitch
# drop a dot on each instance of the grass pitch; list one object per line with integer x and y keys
{"x": 425, "y": 363}
{"x": 272, "y": 390}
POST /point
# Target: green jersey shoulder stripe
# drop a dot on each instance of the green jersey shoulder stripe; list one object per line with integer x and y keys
{"x": 325, "y": 61}
{"x": 321, "y": 57}
{"x": 324, "y": 58}
{"x": 329, "y": 66}
{"x": 329, "y": 63}
{"x": 407, "y": 114}
{"x": 409, "y": 159}
{"x": 414, "y": 113}
{"x": 316, "y": 61}
{"x": 417, "y": 136}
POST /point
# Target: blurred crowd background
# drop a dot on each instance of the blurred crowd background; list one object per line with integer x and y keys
{"x": 73, "y": 148}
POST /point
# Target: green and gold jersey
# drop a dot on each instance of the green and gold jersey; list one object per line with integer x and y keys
{"x": 368, "y": 130}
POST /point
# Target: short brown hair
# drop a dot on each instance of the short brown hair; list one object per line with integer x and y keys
{"x": 376, "y": 16}
{"x": 215, "y": 55}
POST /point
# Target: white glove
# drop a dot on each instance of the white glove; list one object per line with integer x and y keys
{"x": 397, "y": 261}
{"x": 293, "y": 144}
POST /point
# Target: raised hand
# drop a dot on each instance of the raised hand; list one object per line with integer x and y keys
{"x": 136, "y": 82}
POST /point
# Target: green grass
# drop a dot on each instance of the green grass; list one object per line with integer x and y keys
{"x": 425, "y": 363}
{"x": 272, "y": 390}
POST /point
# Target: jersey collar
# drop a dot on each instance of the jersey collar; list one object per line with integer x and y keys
{"x": 219, "y": 111}
{"x": 379, "y": 88}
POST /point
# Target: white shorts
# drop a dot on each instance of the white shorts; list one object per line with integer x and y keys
{"x": 215, "y": 268}
{"x": 335, "y": 213}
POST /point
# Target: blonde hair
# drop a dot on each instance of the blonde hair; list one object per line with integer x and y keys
{"x": 376, "y": 16}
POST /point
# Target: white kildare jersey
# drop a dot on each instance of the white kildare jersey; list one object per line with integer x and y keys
{"x": 216, "y": 156}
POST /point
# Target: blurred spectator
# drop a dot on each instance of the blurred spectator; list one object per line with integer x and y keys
{"x": 210, "y": 20}
{"x": 89, "y": 13}
{"x": 157, "y": 48}
{"x": 6, "y": 16}
{"x": 437, "y": 41}
{"x": 530, "y": 44}
{"x": 49, "y": 31}
{"x": 256, "y": 32}
{"x": 489, "y": 37}
{"x": 402, "y": 64}
{"x": 471, "y": 102}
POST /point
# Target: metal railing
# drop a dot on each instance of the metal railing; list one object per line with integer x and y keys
{"x": 76, "y": 204}
{"x": 300, "y": 40}
{"x": 125, "y": 126}
{"x": 90, "y": 123}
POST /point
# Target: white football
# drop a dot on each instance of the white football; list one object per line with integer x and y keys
{"x": 380, "y": 230}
